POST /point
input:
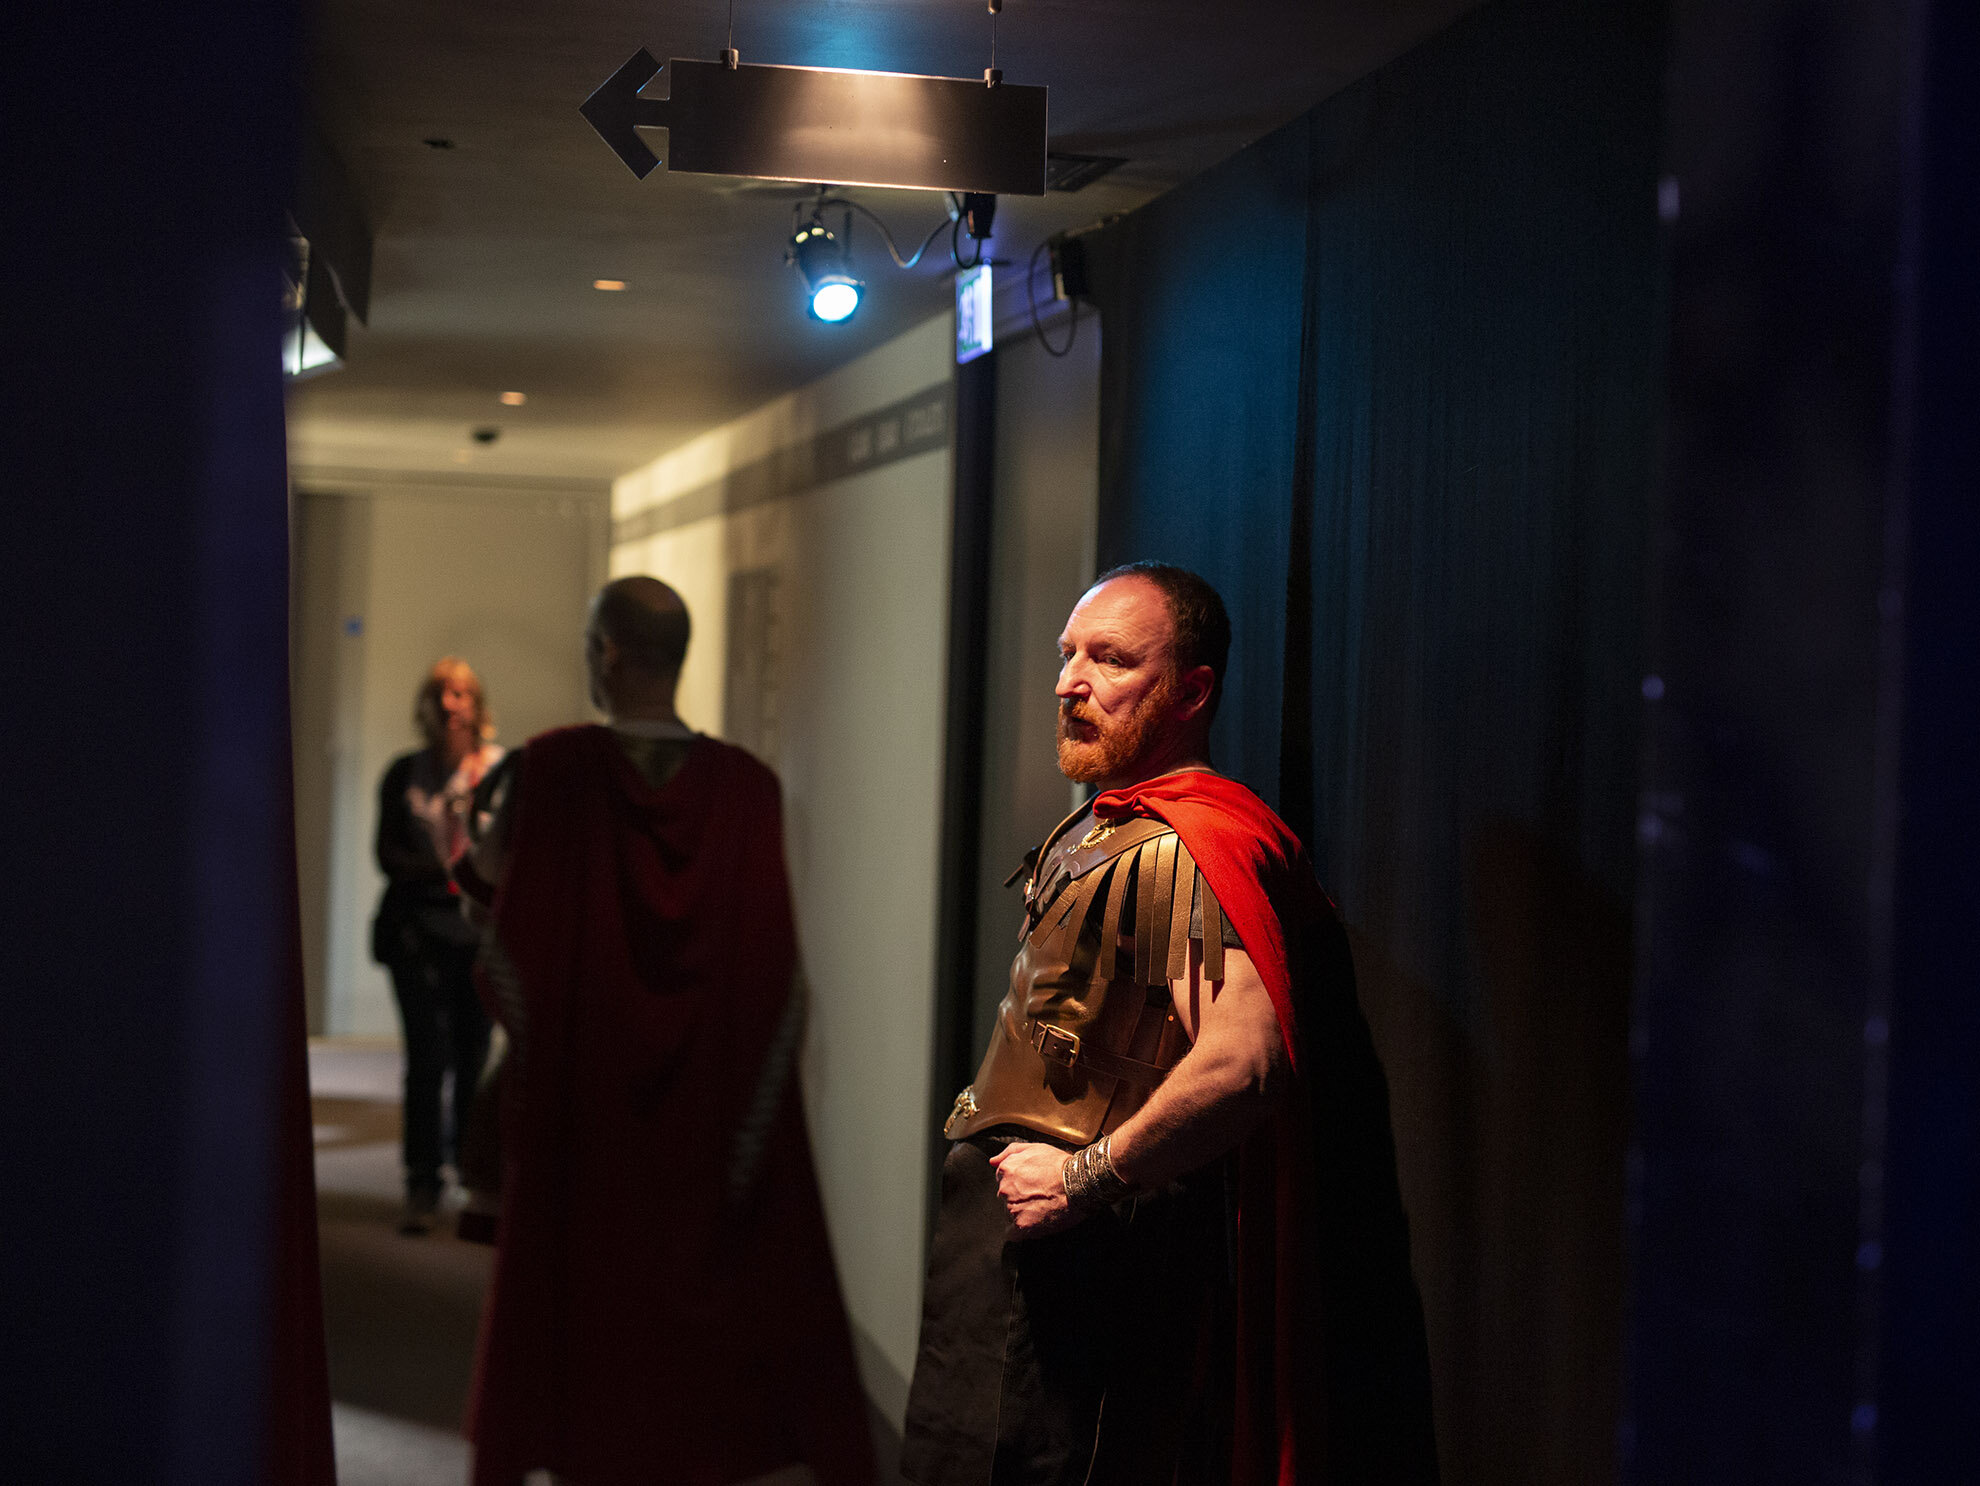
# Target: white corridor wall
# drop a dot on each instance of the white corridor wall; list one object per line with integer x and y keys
{"x": 843, "y": 584}
{"x": 391, "y": 574}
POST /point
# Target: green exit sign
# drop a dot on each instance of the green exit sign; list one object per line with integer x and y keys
{"x": 973, "y": 312}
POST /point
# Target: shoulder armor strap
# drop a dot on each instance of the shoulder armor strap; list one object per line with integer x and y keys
{"x": 1032, "y": 861}
{"x": 1156, "y": 884}
{"x": 1213, "y": 932}
{"x": 1144, "y": 908}
{"x": 1122, "y": 872}
{"x": 1167, "y": 890}
{"x": 1183, "y": 898}
{"x": 1149, "y": 869}
{"x": 1162, "y": 911}
{"x": 1070, "y": 914}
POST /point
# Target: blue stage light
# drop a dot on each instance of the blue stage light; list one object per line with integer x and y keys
{"x": 834, "y": 297}
{"x": 824, "y": 259}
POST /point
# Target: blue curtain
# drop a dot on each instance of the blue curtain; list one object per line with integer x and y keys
{"x": 1387, "y": 378}
{"x": 161, "y": 1313}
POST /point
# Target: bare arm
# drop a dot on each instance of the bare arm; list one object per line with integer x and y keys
{"x": 488, "y": 846}
{"x": 1220, "y": 1089}
{"x": 1207, "y": 1104}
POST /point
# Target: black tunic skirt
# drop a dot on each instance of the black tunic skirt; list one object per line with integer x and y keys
{"x": 1098, "y": 1356}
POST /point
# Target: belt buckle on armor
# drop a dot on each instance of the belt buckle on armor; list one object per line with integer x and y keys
{"x": 1055, "y": 1044}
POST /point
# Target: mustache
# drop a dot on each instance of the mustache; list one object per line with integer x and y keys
{"x": 1074, "y": 709}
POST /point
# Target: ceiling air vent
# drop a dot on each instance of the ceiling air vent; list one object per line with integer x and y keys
{"x": 1074, "y": 172}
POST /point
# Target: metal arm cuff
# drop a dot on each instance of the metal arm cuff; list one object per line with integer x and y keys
{"x": 1089, "y": 1176}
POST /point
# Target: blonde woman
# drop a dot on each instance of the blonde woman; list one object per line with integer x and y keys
{"x": 420, "y": 934}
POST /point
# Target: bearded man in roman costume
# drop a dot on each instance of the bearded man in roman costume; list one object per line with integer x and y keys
{"x": 1171, "y": 1245}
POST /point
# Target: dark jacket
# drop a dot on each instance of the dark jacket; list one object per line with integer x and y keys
{"x": 420, "y": 903}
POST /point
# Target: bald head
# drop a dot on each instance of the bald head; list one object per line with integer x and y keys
{"x": 646, "y": 622}
{"x": 634, "y": 646}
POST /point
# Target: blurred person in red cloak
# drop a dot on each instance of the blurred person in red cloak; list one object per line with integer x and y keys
{"x": 1171, "y": 1246}
{"x": 664, "y": 1304}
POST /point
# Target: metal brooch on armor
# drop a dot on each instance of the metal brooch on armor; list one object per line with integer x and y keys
{"x": 962, "y": 1114}
{"x": 1100, "y": 832}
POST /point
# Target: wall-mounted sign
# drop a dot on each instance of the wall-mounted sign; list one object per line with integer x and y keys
{"x": 973, "y": 310}
{"x": 827, "y": 125}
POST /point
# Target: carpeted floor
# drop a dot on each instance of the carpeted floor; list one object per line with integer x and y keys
{"x": 401, "y": 1312}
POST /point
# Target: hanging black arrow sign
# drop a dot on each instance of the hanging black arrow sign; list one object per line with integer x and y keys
{"x": 827, "y": 125}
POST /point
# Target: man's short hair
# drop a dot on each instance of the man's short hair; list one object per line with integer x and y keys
{"x": 1202, "y": 624}
{"x": 652, "y": 637}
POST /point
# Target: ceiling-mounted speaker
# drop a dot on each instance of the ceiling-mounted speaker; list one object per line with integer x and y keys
{"x": 827, "y": 125}
{"x": 1069, "y": 279}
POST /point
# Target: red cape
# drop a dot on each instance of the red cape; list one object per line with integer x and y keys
{"x": 1332, "y": 1372}
{"x": 643, "y": 1323}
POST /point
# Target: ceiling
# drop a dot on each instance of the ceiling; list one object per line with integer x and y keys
{"x": 485, "y": 252}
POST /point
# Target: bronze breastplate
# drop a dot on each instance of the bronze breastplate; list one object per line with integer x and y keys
{"x": 1087, "y": 1030}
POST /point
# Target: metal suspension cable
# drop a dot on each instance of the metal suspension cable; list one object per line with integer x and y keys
{"x": 1031, "y": 301}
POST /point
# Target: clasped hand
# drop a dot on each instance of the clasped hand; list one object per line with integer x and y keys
{"x": 1031, "y": 1180}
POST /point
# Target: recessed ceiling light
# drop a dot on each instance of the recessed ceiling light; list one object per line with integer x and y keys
{"x": 514, "y": 399}
{"x": 609, "y": 285}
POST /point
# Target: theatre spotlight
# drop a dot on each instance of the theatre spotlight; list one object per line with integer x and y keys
{"x": 824, "y": 260}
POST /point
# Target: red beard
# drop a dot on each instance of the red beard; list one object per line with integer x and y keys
{"x": 1093, "y": 748}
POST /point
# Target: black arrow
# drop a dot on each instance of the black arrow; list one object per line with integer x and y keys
{"x": 616, "y": 110}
